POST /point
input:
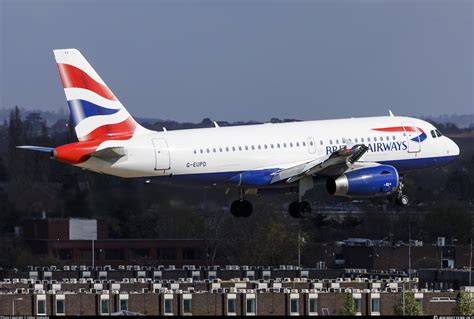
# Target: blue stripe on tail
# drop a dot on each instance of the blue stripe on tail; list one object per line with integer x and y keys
{"x": 81, "y": 109}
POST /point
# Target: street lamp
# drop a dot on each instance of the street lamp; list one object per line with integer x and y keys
{"x": 13, "y": 305}
{"x": 470, "y": 263}
{"x": 403, "y": 297}
{"x": 94, "y": 235}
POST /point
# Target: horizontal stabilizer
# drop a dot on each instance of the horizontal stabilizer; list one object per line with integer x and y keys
{"x": 36, "y": 148}
{"x": 109, "y": 152}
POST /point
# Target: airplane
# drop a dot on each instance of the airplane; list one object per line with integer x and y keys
{"x": 357, "y": 157}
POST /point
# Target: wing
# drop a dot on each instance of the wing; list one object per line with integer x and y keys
{"x": 332, "y": 165}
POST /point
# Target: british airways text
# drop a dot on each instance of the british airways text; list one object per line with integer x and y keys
{"x": 375, "y": 147}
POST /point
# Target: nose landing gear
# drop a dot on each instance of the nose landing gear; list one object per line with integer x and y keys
{"x": 400, "y": 198}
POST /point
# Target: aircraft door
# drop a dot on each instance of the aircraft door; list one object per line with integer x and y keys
{"x": 413, "y": 137}
{"x": 162, "y": 154}
{"x": 311, "y": 145}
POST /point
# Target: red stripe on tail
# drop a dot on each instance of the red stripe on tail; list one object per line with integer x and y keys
{"x": 73, "y": 77}
{"x": 107, "y": 131}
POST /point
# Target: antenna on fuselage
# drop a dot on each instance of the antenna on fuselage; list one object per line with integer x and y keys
{"x": 390, "y": 113}
{"x": 215, "y": 124}
{"x": 164, "y": 129}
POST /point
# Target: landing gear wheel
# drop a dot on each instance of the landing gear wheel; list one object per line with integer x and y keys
{"x": 403, "y": 200}
{"x": 299, "y": 209}
{"x": 241, "y": 208}
{"x": 294, "y": 210}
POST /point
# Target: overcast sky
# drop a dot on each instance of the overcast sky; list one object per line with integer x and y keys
{"x": 247, "y": 60}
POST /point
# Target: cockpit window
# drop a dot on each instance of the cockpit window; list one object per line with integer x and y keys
{"x": 433, "y": 133}
{"x": 438, "y": 133}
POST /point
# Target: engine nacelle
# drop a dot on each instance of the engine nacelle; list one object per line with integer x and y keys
{"x": 365, "y": 182}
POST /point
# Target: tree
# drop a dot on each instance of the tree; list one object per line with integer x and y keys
{"x": 464, "y": 304}
{"x": 412, "y": 307}
{"x": 349, "y": 308}
{"x": 449, "y": 219}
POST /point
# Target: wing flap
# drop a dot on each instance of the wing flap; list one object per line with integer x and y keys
{"x": 334, "y": 164}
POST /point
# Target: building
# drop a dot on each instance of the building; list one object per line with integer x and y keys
{"x": 233, "y": 290}
{"x": 74, "y": 240}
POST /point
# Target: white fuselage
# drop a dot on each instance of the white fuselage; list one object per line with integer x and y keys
{"x": 213, "y": 155}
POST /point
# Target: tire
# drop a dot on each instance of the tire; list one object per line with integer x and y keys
{"x": 246, "y": 208}
{"x": 294, "y": 209}
{"x": 235, "y": 208}
{"x": 403, "y": 200}
{"x": 241, "y": 208}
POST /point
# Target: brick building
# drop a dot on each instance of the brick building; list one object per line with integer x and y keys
{"x": 71, "y": 240}
{"x": 200, "y": 291}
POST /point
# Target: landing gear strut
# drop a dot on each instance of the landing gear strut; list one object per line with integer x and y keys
{"x": 241, "y": 208}
{"x": 299, "y": 209}
{"x": 400, "y": 198}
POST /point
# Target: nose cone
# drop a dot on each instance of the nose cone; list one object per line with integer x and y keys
{"x": 453, "y": 149}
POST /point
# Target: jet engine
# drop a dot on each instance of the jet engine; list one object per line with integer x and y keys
{"x": 364, "y": 182}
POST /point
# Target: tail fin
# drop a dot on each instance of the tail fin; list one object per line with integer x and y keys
{"x": 95, "y": 110}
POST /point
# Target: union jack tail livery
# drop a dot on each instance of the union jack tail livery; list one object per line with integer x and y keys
{"x": 95, "y": 111}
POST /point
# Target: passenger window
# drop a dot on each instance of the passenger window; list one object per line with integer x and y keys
{"x": 284, "y": 144}
{"x": 297, "y": 144}
{"x": 321, "y": 142}
{"x": 356, "y": 140}
{"x": 387, "y": 138}
{"x": 207, "y": 150}
{"x": 368, "y": 139}
{"x": 278, "y": 145}
{"x": 304, "y": 143}
{"x": 220, "y": 149}
{"x": 259, "y": 147}
{"x": 201, "y": 151}
{"x": 246, "y": 148}
{"x": 375, "y": 139}
{"x": 362, "y": 140}
{"x": 394, "y": 138}
{"x": 253, "y": 147}
{"x": 233, "y": 148}
{"x": 240, "y": 148}
{"x": 337, "y": 141}
{"x": 291, "y": 144}
{"x": 226, "y": 149}
{"x": 213, "y": 150}
{"x": 265, "y": 146}
{"x": 194, "y": 152}
{"x": 330, "y": 142}
{"x": 271, "y": 145}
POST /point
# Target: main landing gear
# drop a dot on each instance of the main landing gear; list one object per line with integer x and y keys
{"x": 400, "y": 198}
{"x": 299, "y": 209}
{"x": 241, "y": 208}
